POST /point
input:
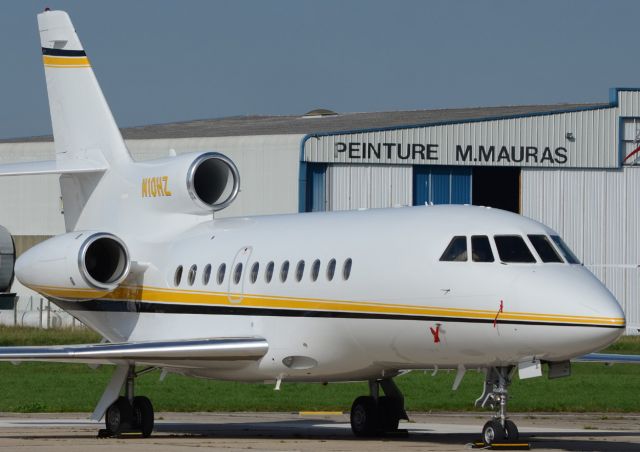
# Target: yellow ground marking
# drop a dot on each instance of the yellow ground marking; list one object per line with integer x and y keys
{"x": 320, "y": 413}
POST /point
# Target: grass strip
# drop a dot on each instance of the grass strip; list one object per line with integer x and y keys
{"x": 45, "y": 387}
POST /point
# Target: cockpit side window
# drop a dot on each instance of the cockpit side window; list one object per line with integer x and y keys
{"x": 513, "y": 249}
{"x": 481, "y": 249}
{"x": 544, "y": 248}
{"x": 456, "y": 251}
{"x": 565, "y": 250}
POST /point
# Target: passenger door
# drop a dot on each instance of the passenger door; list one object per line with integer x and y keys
{"x": 238, "y": 272}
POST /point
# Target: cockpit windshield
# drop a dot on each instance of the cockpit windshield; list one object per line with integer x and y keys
{"x": 544, "y": 248}
{"x": 513, "y": 249}
{"x": 565, "y": 250}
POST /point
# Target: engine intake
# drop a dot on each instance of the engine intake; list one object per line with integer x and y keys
{"x": 103, "y": 261}
{"x": 213, "y": 181}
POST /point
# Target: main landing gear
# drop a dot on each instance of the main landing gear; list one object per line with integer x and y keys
{"x": 129, "y": 413}
{"x": 375, "y": 415}
{"x": 495, "y": 394}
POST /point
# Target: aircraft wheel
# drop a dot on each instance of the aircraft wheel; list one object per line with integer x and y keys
{"x": 364, "y": 416}
{"x": 118, "y": 416}
{"x": 143, "y": 415}
{"x": 389, "y": 412}
{"x": 493, "y": 431}
{"x": 511, "y": 431}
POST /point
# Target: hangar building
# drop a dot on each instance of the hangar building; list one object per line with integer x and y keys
{"x": 574, "y": 167}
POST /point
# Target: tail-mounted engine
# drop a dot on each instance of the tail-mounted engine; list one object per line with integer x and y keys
{"x": 190, "y": 183}
{"x": 82, "y": 264}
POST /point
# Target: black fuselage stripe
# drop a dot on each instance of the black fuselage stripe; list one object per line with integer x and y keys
{"x": 178, "y": 308}
{"x": 62, "y": 52}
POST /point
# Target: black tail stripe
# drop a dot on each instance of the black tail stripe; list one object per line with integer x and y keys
{"x": 169, "y": 308}
{"x": 62, "y": 52}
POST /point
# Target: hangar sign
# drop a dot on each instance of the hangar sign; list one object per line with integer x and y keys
{"x": 421, "y": 153}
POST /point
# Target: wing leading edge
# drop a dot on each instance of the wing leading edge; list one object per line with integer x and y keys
{"x": 170, "y": 352}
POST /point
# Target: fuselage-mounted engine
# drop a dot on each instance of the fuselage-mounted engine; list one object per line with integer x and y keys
{"x": 75, "y": 265}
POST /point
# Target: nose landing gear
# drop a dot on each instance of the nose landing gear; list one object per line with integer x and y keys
{"x": 129, "y": 413}
{"x": 375, "y": 415}
{"x": 496, "y": 395}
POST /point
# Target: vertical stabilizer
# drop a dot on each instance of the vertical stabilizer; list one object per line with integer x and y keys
{"x": 81, "y": 119}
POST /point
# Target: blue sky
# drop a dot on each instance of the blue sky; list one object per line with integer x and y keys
{"x": 161, "y": 61}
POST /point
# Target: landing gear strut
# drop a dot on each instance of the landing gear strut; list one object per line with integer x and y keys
{"x": 130, "y": 413}
{"x": 496, "y": 395}
{"x": 375, "y": 415}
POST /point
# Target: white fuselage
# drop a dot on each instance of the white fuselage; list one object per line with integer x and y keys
{"x": 384, "y": 318}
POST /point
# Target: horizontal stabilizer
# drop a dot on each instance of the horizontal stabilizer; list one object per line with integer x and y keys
{"x": 608, "y": 358}
{"x": 55, "y": 167}
{"x": 216, "y": 349}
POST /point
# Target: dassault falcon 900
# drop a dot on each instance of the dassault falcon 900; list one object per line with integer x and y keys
{"x": 316, "y": 297}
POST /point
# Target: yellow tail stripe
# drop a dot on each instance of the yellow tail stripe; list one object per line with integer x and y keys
{"x": 70, "y": 62}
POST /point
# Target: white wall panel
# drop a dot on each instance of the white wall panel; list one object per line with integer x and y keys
{"x": 30, "y": 205}
{"x": 598, "y": 213}
{"x": 368, "y": 186}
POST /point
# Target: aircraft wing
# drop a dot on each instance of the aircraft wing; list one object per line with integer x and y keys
{"x": 608, "y": 358}
{"x": 160, "y": 352}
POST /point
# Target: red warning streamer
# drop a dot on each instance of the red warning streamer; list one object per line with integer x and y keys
{"x": 495, "y": 321}
{"x": 436, "y": 333}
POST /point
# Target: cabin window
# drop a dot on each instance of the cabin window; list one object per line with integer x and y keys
{"x": 237, "y": 273}
{"x": 268, "y": 272}
{"x": 513, "y": 249}
{"x": 178, "y": 276}
{"x": 284, "y": 271}
{"x": 192, "y": 274}
{"x": 346, "y": 269}
{"x": 254, "y": 272}
{"x": 331, "y": 269}
{"x": 456, "y": 251}
{"x": 544, "y": 248}
{"x": 206, "y": 274}
{"x": 221, "y": 271}
{"x": 315, "y": 270}
{"x": 481, "y": 249}
{"x": 565, "y": 250}
{"x": 299, "y": 270}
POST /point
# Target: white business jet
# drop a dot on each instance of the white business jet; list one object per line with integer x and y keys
{"x": 317, "y": 297}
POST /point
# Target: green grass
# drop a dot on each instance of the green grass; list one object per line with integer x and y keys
{"x": 42, "y": 387}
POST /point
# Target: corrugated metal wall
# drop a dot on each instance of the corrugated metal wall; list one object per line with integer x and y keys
{"x": 367, "y": 186}
{"x": 598, "y": 213}
{"x": 595, "y": 143}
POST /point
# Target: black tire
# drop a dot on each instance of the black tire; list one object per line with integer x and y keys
{"x": 143, "y": 418}
{"x": 493, "y": 432}
{"x": 118, "y": 416}
{"x": 511, "y": 431}
{"x": 364, "y": 417}
{"x": 389, "y": 412}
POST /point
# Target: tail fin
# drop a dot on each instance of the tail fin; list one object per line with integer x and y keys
{"x": 81, "y": 119}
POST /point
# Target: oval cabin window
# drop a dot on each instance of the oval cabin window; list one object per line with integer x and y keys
{"x": 178, "y": 276}
{"x": 221, "y": 271}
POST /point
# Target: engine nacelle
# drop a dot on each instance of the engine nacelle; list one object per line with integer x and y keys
{"x": 7, "y": 259}
{"x": 75, "y": 262}
{"x": 190, "y": 183}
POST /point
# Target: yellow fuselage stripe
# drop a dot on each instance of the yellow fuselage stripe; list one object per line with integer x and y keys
{"x": 165, "y": 295}
{"x": 70, "y": 62}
